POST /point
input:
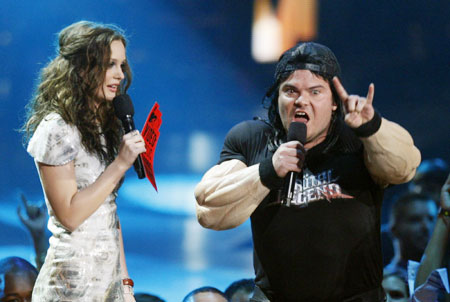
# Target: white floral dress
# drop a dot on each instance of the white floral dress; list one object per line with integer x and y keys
{"x": 82, "y": 265}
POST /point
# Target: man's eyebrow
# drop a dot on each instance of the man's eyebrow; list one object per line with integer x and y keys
{"x": 309, "y": 88}
{"x": 316, "y": 86}
{"x": 288, "y": 85}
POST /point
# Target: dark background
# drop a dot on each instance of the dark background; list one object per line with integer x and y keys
{"x": 194, "y": 59}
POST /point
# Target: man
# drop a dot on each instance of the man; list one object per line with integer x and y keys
{"x": 240, "y": 290}
{"x": 325, "y": 246}
{"x": 430, "y": 176}
{"x": 144, "y": 297}
{"x": 429, "y": 284}
{"x": 17, "y": 278}
{"x": 205, "y": 294}
{"x": 411, "y": 223}
{"x": 396, "y": 288}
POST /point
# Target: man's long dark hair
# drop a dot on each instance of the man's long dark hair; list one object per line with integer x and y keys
{"x": 321, "y": 61}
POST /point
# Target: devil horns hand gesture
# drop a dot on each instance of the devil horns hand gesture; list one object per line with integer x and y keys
{"x": 358, "y": 110}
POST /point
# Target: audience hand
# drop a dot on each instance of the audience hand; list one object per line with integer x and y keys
{"x": 36, "y": 217}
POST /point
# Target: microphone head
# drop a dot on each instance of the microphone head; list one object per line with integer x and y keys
{"x": 297, "y": 132}
{"x": 123, "y": 106}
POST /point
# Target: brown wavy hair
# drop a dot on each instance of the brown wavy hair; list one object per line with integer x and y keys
{"x": 68, "y": 85}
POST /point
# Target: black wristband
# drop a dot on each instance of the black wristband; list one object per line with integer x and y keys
{"x": 268, "y": 176}
{"x": 370, "y": 127}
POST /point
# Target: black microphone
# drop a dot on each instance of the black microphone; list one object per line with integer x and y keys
{"x": 124, "y": 111}
{"x": 297, "y": 132}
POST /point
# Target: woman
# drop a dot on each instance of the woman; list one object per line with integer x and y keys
{"x": 81, "y": 157}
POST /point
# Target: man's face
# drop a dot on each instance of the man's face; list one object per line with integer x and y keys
{"x": 208, "y": 297}
{"x": 415, "y": 225}
{"x": 17, "y": 286}
{"x": 395, "y": 289}
{"x": 307, "y": 98}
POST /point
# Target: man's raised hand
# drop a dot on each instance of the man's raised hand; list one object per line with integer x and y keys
{"x": 358, "y": 110}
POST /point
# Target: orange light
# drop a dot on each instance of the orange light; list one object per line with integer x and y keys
{"x": 298, "y": 21}
{"x": 273, "y": 33}
{"x": 266, "y": 32}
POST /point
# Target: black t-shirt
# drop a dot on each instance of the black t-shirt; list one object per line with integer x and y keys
{"x": 328, "y": 250}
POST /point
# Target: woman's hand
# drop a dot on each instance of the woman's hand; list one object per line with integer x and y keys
{"x": 132, "y": 145}
{"x": 129, "y": 298}
{"x": 128, "y": 294}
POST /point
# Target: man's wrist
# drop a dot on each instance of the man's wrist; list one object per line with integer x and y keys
{"x": 268, "y": 175}
{"x": 40, "y": 259}
{"x": 369, "y": 128}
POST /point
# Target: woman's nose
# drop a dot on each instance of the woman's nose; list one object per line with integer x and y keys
{"x": 119, "y": 74}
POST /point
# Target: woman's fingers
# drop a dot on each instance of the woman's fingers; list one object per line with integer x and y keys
{"x": 132, "y": 145}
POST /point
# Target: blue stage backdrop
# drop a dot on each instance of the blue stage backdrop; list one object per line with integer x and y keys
{"x": 194, "y": 59}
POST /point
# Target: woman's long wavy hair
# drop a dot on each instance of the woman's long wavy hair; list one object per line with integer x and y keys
{"x": 69, "y": 86}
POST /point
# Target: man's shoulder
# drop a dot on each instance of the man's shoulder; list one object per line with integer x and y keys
{"x": 247, "y": 141}
{"x": 251, "y": 127}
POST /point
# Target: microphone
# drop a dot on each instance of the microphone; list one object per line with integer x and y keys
{"x": 124, "y": 110}
{"x": 297, "y": 132}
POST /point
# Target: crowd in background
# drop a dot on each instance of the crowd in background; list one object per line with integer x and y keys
{"x": 415, "y": 245}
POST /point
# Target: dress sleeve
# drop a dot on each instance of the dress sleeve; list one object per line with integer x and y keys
{"x": 54, "y": 142}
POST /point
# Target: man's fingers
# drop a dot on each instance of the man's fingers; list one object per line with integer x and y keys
{"x": 342, "y": 93}
{"x": 360, "y": 104}
{"x": 370, "y": 93}
{"x": 351, "y": 103}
